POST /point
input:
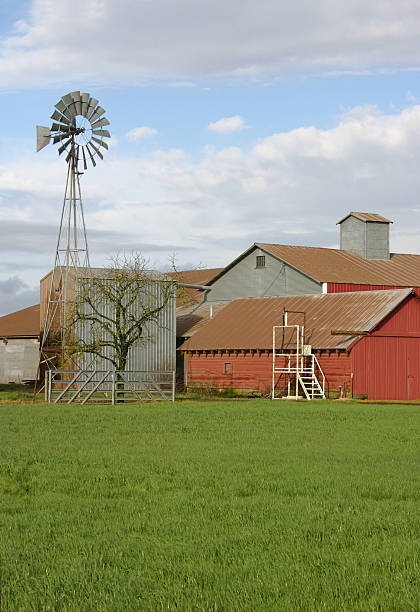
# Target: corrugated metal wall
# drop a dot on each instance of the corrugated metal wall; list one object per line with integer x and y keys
{"x": 158, "y": 353}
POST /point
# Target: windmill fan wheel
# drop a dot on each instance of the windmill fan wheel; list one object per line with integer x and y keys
{"x": 78, "y": 124}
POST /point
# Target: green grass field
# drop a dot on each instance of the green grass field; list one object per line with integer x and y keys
{"x": 233, "y": 505}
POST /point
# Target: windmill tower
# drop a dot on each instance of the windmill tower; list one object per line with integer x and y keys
{"x": 78, "y": 127}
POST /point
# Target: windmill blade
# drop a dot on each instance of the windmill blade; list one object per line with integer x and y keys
{"x": 60, "y": 127}
{"x": 100, "y": 123}
{"x": 64, "y": 146}
{"x": 98, "y": 112}
{"x": 85, "y": 102}
{"x": 69, "y": 102}
{"x": 59, "y": 117}
{"x": 61, "y": 136}
{"x": 84, "y": 158}
{"x": 100, "y": 142}
{"x": 43, "y": 136}
{"x": 61, "y": 106}
{"x": 91, "y": 106}
{"x": 90, "y": 155}
{"x": 77, "y": 102}
{"x": 97, "y": 151}
{"x": 101, "y": 133}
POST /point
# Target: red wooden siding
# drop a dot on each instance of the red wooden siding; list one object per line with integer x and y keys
{"x": 337, "y": 368}
{"x": 387, "y": 363}
{"x": 252, "y": 370}
{"x": 347, "y": 287}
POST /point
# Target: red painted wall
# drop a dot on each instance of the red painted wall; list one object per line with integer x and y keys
{"x": 345, "y": 287}
{"x": 387, "y": 363}
{"x": 249, "y": 370}
{"x": 253, "y": 371}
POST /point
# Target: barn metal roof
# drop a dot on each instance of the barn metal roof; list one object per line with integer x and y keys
{"x": 21, "y": 324}
{"x": 189, "y": 320}
{"x": 365, "y": 217}
{"x": 192, "y": 277}
{"x": 339, "y": 266}
{"x": 248, "y": 323}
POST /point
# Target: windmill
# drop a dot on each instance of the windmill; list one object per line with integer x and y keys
{"x": 78, "y": 129}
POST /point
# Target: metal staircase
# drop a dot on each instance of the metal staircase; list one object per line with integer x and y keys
{"x": 297, "y": 364}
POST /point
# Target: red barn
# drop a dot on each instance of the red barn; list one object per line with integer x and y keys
{"x": 367, "y": 343}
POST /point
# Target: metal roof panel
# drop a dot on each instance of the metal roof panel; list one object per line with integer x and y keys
{"x": 248, "y": 323}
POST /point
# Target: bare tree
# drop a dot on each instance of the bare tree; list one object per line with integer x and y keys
{"x": 117, "y": 307}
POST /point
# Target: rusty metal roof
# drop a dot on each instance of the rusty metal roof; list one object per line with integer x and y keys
{"x": 189, "y": 320}
{"x": 23, "y": 323}
{"x": 366, "y": 217}
{"x": 248, "y": 323}
{"x": 192, "y": 277}
{"x": 339, "y": 266}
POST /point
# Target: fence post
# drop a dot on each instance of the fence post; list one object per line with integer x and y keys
{"x": 46, "y": 385}
{"x": 173, "y": 385}
{"x": 113, "y": 388}
{"x": 50, "y": 376}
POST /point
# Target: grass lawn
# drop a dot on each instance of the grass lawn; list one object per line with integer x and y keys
{"x": 233, "y": 505}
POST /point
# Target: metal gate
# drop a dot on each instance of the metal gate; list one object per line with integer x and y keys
{"x": 109, "y": 387}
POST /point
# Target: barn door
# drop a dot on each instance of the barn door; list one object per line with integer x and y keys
{"x": 413, "y": 363}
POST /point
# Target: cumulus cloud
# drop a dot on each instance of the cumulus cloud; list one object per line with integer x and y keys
{"x": 227, "y": 125}
{"x": 145, "y": 42}
{"x": 141, "y": 132}
{"x": 290, "y": 187}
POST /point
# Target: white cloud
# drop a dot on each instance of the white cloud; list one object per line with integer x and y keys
{"x": 227, "y": 125}
{"x": 139, "y": 133}
{"x": 290, "y": 187}
{"x": 144, "y": 42}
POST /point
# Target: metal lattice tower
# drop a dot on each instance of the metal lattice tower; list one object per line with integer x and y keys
{"x": 78, "y": 123}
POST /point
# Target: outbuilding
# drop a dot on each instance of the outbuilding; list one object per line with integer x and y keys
{"x": 19, "y": 345}
{"x": 367, "y": 343}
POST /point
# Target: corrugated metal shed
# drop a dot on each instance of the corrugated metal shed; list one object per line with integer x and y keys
{"x": 248, "y": 323}
{"x": 337, "y": 266}
{"x": 21, "y": 324}
{"x": 158, "y": 350}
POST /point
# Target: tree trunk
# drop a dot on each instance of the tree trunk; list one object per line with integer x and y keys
{"x": 120, "y": 383}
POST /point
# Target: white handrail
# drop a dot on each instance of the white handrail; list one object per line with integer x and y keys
{"x": 320, "y": 369}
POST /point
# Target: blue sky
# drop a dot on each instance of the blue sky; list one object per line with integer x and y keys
{"x": 230, "y": 124}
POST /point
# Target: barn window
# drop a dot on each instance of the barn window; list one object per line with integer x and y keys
{"x": 260, "y": 263}
{"x": 228, "y": 368}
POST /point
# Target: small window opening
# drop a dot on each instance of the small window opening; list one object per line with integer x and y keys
{"x": 260, "y": 263}
{"x": 228, "y": 368}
